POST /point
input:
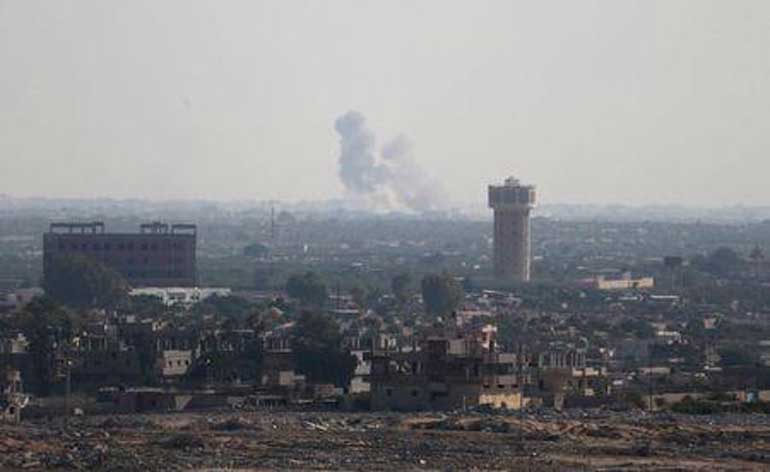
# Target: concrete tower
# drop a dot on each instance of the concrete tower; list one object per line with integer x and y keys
{"x": 512, "y": 203}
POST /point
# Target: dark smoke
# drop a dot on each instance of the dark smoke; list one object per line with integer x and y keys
{"x": 393, "y": 180}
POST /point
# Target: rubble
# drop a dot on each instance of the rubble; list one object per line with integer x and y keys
{"x": 538, "y": 440}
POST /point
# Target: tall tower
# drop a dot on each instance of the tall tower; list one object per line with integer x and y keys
{"x": 512, "y": 203}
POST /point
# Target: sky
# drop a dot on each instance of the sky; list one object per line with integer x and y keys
{"x": 606, "y": 102}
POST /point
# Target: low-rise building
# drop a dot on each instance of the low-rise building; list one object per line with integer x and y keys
{"x": 622, "y": 282}
{"x": 446, "y": 372}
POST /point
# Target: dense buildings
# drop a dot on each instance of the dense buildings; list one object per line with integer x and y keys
{"x": 158, "y": 255}
{"x": 512, "y": 203}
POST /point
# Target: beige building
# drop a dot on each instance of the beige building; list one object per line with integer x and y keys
{"x": 512, "y": 203}
{"x": 624, "y": 282}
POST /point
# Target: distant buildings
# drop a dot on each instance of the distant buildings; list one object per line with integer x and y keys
{"x": 158, "y": 256}
{"x": 512, "y": 203}
{"x": 184, "y": 296}
{"x": 623, "y": 281}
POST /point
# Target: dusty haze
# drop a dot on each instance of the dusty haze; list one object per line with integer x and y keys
{"x": 594, "y": 101}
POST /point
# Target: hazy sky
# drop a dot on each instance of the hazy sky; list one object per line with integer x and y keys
{"x": 593, "y": 101}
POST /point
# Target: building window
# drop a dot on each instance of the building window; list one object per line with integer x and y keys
{"x": 389, "y": 392}
{"x": 415, "y": 393}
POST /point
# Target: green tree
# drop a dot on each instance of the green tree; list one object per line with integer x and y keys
{"x": 441, "y": 294}
{"x": 735, "y": 355}
{"x": 639, "y": 328}
{"x": 401, "y": 286}
{"x": 309, "y": 288}
{"x": 47, "y": 327}
{"x": 317, "y": 346}
{"x": 81, "y": 281}
{"x": 721, "y": 262}
{"x": 229, "y": 306}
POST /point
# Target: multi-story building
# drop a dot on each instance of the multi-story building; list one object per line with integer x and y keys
{"x": 158, "y": 255}
{"x": 512, "y": 203}
{"x": 447, "y": 371}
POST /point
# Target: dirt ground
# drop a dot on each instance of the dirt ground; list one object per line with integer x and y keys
{"x": 370, "y": 441}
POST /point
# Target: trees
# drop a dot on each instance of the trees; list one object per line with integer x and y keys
{"x": 228, "y": 306}
{"x": 81, "y": 281}
{"x": 401, "y": 286}
{"x": 46, "y": 325}
{"x": 145, "y": 305}
{"x": 309, "y": 288}
{"x": 441, "y": 294}
{"x": 638, "y": 327}
{"x": 317, "y": 345}
{"x": 736, "y": 355}
{"x": 721, "y": 262}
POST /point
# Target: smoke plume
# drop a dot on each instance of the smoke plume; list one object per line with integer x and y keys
{"x": 391, "y": 180}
